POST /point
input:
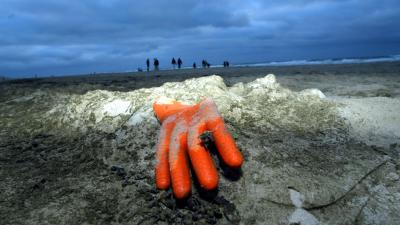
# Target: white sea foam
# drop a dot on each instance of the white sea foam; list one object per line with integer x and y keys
{"x": 391, "y": 58}
{"x": 117, "y": 107}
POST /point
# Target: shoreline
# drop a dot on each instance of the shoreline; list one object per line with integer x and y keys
{"x": 336, "y": 69}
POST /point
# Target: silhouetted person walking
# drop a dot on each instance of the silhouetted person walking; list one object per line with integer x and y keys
{"x": 148, "y": 64}
{"x": 179, "y": 63}
{"x": 205, "y": 64}
{"x": 173, "y": 62}
{"x": 194, "y": 65}
{"x": 226, "y": 64}
{"x": 156, "y": 64}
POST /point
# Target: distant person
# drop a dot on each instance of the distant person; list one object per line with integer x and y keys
{"x": 179, "y": 63}
{"x": 194, "y": 65}
{"x": 173, "y": 62}
{"x": 148, "y": 64}
{"x": 205, "y": 64}
{"x": 226, "y": 64}
{"x": 156, "y": 64}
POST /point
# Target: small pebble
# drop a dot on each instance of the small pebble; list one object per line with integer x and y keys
{"x": 120, "y": 171}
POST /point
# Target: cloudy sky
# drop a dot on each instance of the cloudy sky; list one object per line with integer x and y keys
{"x": 50, "y": 37}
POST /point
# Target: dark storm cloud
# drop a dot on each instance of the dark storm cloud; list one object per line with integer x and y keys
{"x": 58, "y": 37}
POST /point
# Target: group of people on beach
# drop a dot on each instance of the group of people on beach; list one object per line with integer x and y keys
{"x": 205, "y": 64}
{"x": 156, "y": 64}
{"x": 226, "y": 64}
{"x": 178, "y": 63}
{"x": 174, "y": 62}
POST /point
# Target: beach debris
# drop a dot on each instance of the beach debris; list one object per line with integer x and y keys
{"x": 120, "y": 171}
{"x": 300, "y": 215}
{"x": 207, "y": 139}
{"x": 183, "y": 127}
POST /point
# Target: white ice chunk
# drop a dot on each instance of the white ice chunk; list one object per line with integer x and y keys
{"x": 297, "y": 198}
{"x": 313, "y": 92}
{"x": 268, "y": 81}
{"x": 137, "y": 118}
{"x": 301, "y": 216}
{"x": 117, "y": 107}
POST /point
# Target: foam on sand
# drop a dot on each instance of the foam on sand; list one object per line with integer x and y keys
{"x": 374, "y": 120}
{"x": 302, "y": 139}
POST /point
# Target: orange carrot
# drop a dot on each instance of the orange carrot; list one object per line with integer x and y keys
{"x": 224, "y": 142}
{"x": 201, "y": 160}
{"x": 179, "y": 167}
{"x": 164, "y": 108}
{"x": 162, "y": 167}
{"x": 181, "y": 127}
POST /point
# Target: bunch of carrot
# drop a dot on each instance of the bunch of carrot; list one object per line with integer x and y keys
{"x": 179, "y": 137}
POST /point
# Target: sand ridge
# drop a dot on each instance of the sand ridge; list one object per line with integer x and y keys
{"x": 66, "y": 160}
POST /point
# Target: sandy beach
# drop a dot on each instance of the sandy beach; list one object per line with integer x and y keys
{"x": 321, "y": 146}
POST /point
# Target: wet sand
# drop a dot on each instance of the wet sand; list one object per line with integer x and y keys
{"x": 59, "y": 147}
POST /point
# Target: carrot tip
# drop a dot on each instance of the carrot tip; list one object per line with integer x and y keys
{"x": 209, "y": 184}
{"x": 181, "y": 193}
{"x": 162, "y": 185}
{"x": 235, "y": 162}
